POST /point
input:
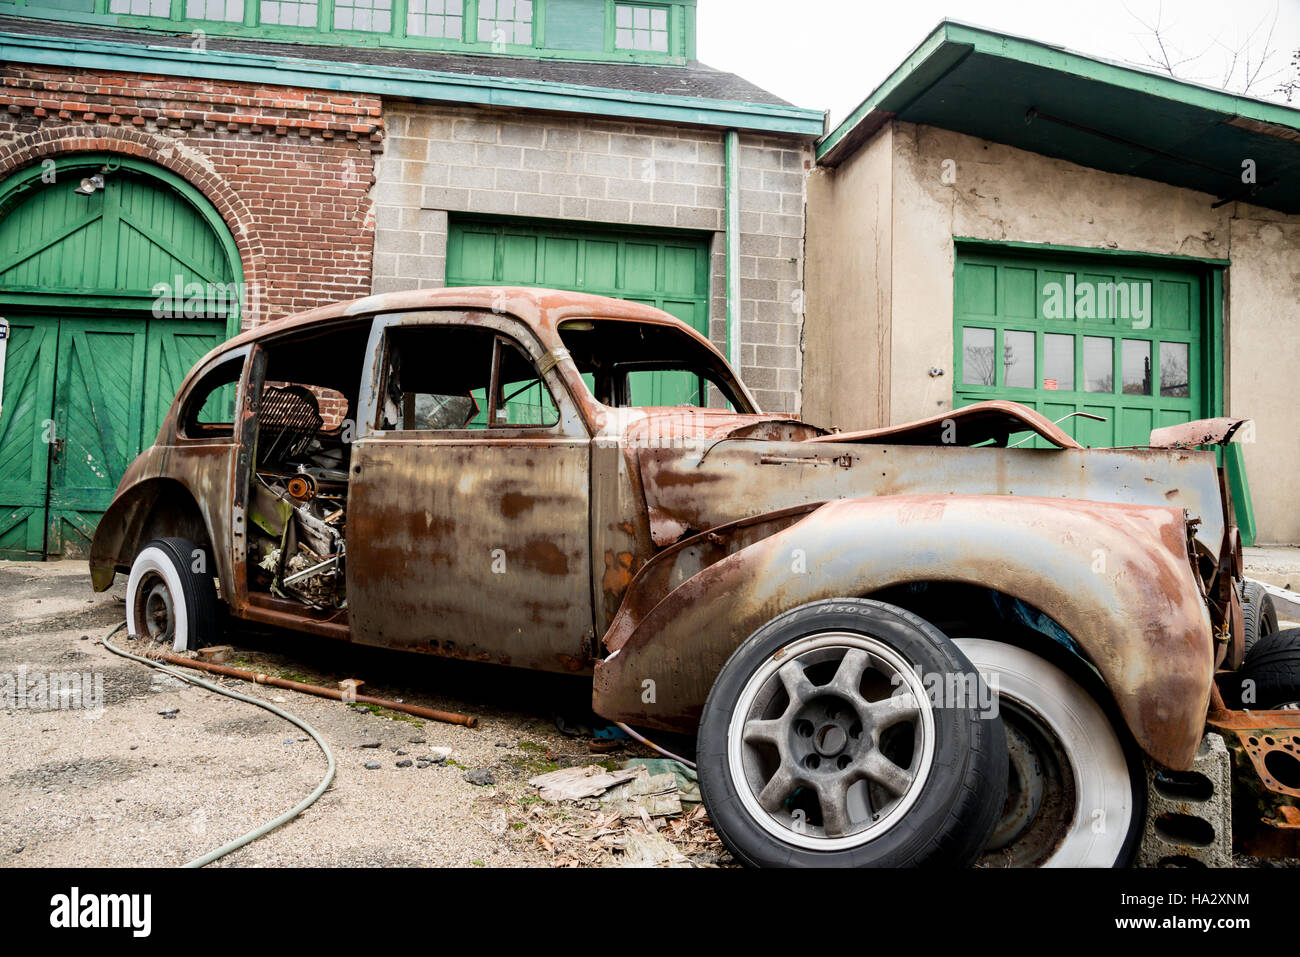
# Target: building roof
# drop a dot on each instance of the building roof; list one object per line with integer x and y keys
{"x": 694, "y": 93}
{"x": 1097, "y": 113}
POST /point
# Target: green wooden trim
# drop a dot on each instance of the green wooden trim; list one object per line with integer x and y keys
{"x": 1239, "y": 488}
{"x": 13, "y": 188}
{"x": 950, "y": 42}
{"x": 404, "y": 82}
{"x": 1054, "y": 248}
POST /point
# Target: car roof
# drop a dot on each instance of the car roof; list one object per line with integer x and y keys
{"x": 540, "y": 309}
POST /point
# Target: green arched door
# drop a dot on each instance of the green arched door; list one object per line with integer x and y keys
{"x": 110, "y": 298}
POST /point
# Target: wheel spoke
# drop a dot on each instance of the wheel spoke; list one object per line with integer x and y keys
{"x": 890, "y": 711}
{"x": 771, "y": 732}
{"x": 772, "y": 797}
{"x": 797, "y": 685}
{"x": 833, "y": 797}
{"x": 876, "y": 767}
{"x": 848, "y": 676}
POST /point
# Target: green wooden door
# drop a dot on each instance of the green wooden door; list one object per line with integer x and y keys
{"x": 1099, "y": 335}
{"x": 98, "y": 291}
{"x": 26, "y": 429}
{"x": 668, "y": 271}
{"x": 98, "y": 391}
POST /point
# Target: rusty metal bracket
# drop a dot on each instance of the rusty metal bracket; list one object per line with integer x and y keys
{"x": 1265, "y": 747}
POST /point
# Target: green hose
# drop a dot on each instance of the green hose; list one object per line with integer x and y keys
{"x": 288, "y": 815}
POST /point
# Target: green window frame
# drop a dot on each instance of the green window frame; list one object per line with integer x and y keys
{"x": 440, "y": 19}
{"x": 367, "y": 16}
{"x": 504, "y": 23}
{"x": 500, "y": 27}
{"x": 216, "y": 11}
{"x": 643, "y": 27}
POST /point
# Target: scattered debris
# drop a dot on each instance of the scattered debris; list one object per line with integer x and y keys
{"x": 404, "y": 764}
{"x": 169, "y": 712}
{"x": 655, "y": 795}
{"x": 369, "y": 744}
{"x": 650, "y": 849}
{"x": 629, "y": 817}
{"x": 571, "y": 784}
{"x": 372, "y": 765}
{"x": 480, "y": 776}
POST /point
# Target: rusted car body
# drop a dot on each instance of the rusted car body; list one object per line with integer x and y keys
{"x": 639, "y": 543}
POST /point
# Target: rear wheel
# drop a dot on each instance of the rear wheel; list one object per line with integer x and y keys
{"x": 1269, "y": 679}
{"x": 170, "y": 597}
{"x": 1258, "y": 611}
{"x": 1076, "y": 789}
{"x": 823, "y": 744}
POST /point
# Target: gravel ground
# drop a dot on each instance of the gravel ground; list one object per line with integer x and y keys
{"x": 123, "y": 785}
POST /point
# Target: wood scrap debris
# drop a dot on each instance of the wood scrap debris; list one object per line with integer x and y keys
{"x": 627, "y": 818}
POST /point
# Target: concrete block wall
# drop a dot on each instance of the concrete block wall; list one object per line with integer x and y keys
{"x": 440, "y": 161}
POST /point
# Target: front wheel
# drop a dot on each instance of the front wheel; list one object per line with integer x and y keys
{"x": 170, "y": 597}
{"x": 851, "y": 733}
{"x": 1076, "y": 792}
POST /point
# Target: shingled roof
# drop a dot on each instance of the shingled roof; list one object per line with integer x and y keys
{"x": 695, "y": 79}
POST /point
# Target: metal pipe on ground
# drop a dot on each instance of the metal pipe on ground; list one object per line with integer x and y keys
{"x": 449, "y": 717}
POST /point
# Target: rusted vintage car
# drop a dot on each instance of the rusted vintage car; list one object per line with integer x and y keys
{"x": 902, "y": 646}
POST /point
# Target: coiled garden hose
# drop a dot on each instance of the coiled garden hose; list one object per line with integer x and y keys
{"x": 288, "y": 815}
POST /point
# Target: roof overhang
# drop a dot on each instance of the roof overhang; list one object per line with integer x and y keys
{"x": 408, "y": 83}
{"x": 1104, "y": 115}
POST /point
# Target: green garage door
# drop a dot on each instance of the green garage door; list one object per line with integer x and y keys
{"x": 90, "y": 370}
{"x": 1099, "y": 335}
{"x": 668, "y": 271}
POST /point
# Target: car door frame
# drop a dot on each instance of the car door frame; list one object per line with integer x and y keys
{"x": 540, "y": 536}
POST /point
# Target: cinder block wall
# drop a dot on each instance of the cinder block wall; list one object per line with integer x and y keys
{"x": 446, "y": 160}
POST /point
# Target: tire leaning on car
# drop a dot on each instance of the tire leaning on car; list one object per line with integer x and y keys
{"x": 821, "y": 743}
{"x": 170, "y": 597}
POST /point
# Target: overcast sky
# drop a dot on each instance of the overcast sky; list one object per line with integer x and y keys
{"x": 829, "y": 54}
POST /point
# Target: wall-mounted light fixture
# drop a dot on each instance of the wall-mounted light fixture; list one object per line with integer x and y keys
{"x": 90, "y": 184}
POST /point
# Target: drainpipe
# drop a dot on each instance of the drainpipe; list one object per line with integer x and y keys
{"x": 733, "y": 249}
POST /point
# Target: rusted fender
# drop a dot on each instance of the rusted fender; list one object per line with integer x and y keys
{"x": 969, "y": 425}
{"x": 1116, "y": 577}
{"x": 164, "y": 495}
{"x": 1200, "y": 432}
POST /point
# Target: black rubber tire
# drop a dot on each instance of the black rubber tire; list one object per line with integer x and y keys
{"x": 961, "y": 799}
{"x": 1259, "y": 612}
{"x": 197, "y": 588}
{"x": 1273, "y": 665}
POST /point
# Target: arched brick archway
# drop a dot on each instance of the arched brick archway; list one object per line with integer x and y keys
{"x": 54, "y": 143}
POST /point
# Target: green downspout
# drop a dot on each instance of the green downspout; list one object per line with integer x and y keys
{"x": 733, "y": 249}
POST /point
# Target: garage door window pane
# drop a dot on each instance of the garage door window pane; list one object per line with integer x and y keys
{"x": 1137, "y": 367}
{"x": 977, "y": 357}
{"x": 1098, "y": 364}
{"x": 1058, "y": 362}
{"x": 1174, "y": 382}
{"x": 1018, "y": 359}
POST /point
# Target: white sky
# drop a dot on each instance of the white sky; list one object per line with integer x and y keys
{"x": 829, "y": 54}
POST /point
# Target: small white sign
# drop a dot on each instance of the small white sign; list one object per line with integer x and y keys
{"x": 4, "y": 342}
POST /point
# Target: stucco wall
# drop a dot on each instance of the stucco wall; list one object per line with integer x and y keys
{"x": 1263, "y": 333}
{"x": 443, "y": 160}
{"x": 848, "y": 280}
{"x": 1000, "y": 193}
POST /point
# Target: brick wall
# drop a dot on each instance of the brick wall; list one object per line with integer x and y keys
{"x": 289, "y": 170}
{"x": 446, "y": 160}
